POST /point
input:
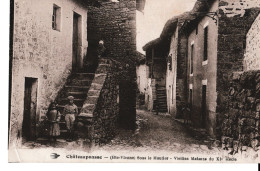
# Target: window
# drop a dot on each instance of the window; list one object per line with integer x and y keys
{"x": 197, "y": 29}
{"x": 56, "y": 18}
{"x": 191, "y": 59}
{"x": 205, "y": 57}
{"x": 170, "y": 62}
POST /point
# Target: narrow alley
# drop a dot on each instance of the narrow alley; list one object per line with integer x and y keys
{"x": 159, "y": 132}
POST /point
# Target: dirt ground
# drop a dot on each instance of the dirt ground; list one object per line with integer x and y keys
{"x": 160, "y": 132}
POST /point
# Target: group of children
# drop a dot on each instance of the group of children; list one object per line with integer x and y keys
{"x": 70, "y": 112}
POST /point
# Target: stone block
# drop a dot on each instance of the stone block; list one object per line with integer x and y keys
{"x": 236, "y": 76}
{"x": 258, "y": 107}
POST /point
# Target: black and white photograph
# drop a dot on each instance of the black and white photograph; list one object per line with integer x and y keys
{"x": 134, "y": 81}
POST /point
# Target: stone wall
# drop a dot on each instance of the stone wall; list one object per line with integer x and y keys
{"x": 235, "y": 19}
{"x": 42, "y": 53}
{"x": 181, "y": 91}
{"x": 115, "y": 23}
{"x": 252, "y": 55}
{"x": 171, "y": 75}
{"x": 241, "y": 123}
{"x": 100, "y": 112}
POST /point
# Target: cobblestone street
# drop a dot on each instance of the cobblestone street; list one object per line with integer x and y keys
{"x": 158, "y": 132}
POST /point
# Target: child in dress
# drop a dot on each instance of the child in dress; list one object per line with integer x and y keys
{"x": 53, "y": 119}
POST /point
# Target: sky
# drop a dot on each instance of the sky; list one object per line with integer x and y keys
{"x": 156, "y": 13}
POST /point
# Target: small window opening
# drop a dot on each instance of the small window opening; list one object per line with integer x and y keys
{"x": 205, "y": 44}
{"x": 56, "y": 18}
{"x": 191, "y": 59}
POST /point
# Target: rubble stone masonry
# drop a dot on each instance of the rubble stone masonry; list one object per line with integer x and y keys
{"x": 241, "y": 123}
{"x": 235, "y": 19}
{"x": 100, "y": 112}
{"x": 252, "y": 55}
{"x": 115, "y": 23}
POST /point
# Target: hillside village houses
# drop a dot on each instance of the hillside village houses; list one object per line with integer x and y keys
{"x": 54, "y": 48}
{"x": 199, "y": 54}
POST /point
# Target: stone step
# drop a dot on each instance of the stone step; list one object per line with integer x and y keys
{"x": 77, "y": 82}
{"x": 161, "y": 100}
{"x": 64, "y": 101}
{"x": 102, "y": 68}
{"x": 83, "y": 75}
{"x": 104, "y": 61}
{"x": 77, "y": 88}
{"x": 61, "y": 107}
{"x": 161, "y": 92}
{"x": 161, "y": 89}
{"x": 88, "y": 108}
{"x": 161, "y": 97}
{"x": 93, "y": 92}
{"x": 77, "y": 94}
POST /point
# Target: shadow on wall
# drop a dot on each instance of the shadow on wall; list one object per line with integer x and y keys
{"x": 127, "y": 105}
{"x": 91, "y": 59}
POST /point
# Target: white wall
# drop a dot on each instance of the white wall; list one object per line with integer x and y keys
{"x": 141, "y": 78}
{"x": 252, "y": 54}
{"x": 41, "y": 52}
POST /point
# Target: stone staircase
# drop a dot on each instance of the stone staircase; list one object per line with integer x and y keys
{"x": 77, "y": 86}
{"x": 161, "y": 99}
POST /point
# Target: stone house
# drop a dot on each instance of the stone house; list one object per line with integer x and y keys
{"x": 215, "y": 48}
{"x": 52, "y": 41}
{"x": 49, "y": 40}
{"x": 155, "y": 96}
{"x": 203, "y": 47}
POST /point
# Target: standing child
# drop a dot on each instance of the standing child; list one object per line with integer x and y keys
{"x": 70, "y": 112}
{"x": 53, "y": 118}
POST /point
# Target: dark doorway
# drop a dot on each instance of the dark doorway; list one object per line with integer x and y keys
{"x": 190, "y": 99}
{"x": 127, "y": 105}
{"x": 77, "y": 42}
{"x": 30, "y": 107}
{"x": 204, "y": 106}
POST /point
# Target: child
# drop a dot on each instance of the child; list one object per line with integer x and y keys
{"x": 53, "y": 116}
{"x": 70, "y": 112}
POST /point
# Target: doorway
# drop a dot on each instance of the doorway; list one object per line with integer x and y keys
{"x": 127, "y": 105}
{"x": 204, "y": 105}
{"x": 77, "y": 62}
{"x": 30, "y": 107}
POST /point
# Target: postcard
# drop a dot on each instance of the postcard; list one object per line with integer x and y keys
{"x": 134, "y": 81}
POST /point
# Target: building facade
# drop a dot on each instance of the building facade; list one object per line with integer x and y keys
{"x": 204, "y": 47}
{"x": 53, "y": 39}
{"x": 202, "y": 71}
{"x": 43, "y": 57}
{"x": 155, "y": 96}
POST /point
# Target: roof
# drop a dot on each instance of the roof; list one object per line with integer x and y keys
{"x": 198, "y": 12}
{"x": 152, "y": 43}
{"x": 171, "y": 24}
{"x": 140, "y": 58}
